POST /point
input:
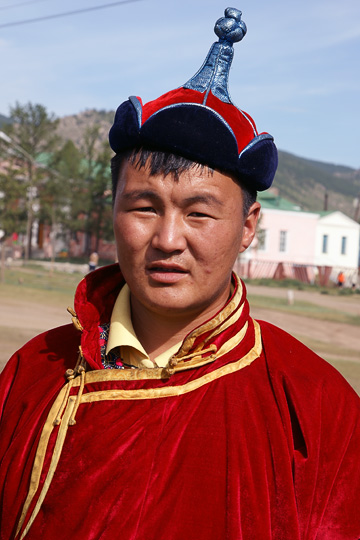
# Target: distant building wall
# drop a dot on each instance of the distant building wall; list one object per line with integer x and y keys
{"x": 289, "y": 236}
{"x": 337, "y": 241}
{"x": 303, "y": 245}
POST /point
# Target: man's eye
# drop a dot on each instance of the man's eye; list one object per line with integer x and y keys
{"x": 144, "y": 209}
{"x": 199, "y": 214}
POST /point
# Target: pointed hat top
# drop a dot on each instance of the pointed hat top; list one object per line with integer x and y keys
{"x": 214, "y": 73}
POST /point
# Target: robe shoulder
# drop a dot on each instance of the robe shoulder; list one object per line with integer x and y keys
{"x": 313, "y": 398}
{"x": 320, "y": 413}
{"x": 291, "y": 360}
{"x": 44, "y": 358}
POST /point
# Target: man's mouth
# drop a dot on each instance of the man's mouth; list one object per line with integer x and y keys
{"x": 167, "y": 270}
{"x": 166, "y": 267}
{"x": 166, "y": 273}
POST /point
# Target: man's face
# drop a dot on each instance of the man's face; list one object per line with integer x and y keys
{"x": 177, "y": 240}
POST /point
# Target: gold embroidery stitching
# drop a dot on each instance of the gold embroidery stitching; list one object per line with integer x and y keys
{"x": 169, "y": 391}
{"x": 40, "y": 455}
{"x": 214, "y": 322}
{"x": 54, "y": 461}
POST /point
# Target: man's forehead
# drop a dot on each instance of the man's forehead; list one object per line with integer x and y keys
{"x": 196, "y": 171}
{"x": 154, "y": 162}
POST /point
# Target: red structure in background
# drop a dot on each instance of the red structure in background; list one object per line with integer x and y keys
{"x": 256, "y": 269}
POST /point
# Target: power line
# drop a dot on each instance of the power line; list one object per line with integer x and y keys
{"x": 22, "y": 4}
{"x": 68, "y": 13}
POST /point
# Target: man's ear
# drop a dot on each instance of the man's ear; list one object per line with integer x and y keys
{"x": 249, "y": 228}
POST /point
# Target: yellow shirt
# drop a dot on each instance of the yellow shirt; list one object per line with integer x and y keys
{"x": 122, "y": 334}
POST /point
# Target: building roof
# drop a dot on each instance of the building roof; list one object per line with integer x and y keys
{"x": 271, "y": 200}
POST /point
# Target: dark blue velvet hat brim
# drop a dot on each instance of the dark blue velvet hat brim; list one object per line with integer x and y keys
{"x": 258, "y": 162}
{"x": 194, "y": 132}
{"x": 124, "y": 133}
{"x": 199, "y": 134}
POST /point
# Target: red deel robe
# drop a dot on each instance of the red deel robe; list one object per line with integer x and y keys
{"x": 247, "y": 435}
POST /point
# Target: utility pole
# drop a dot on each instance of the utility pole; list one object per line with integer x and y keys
{"x": 326, "y": 201}
{"x": 357, "y": 208}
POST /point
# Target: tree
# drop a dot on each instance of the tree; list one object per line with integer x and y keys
{"x": 71, "y": 187}
{"x": 59, "y": 190}
{"x": 78, "y": 196}
{"x": 95, "y": 202}
{"x": 12, "y": 202}
{"x": 100, "y": 208}
{"x": 33, "y": 133}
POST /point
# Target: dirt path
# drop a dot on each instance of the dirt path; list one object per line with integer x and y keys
{"x": 339, "y": 340}
{"x": 21, "y": 320}
{"x": 343, "y": 338}
{"x": 347, "y": 304}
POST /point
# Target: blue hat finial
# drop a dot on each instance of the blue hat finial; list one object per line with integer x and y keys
{"x": 230, "y": 28}
{"x": 214, "y": 73}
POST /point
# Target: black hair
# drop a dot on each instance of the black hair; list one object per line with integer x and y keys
{"x": 167, "y": 163}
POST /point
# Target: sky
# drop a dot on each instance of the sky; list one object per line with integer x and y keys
{"x": 296, "y": 72}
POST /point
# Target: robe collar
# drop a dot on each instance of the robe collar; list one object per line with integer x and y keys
{"x": 94, "y": 301}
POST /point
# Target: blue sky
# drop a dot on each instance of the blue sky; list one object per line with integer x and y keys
{"x": 297, "y": 71}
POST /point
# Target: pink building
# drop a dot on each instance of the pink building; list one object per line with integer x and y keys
{"x": 290, "y": 243}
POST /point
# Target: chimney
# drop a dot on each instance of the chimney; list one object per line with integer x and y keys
{"x": 326, "y": 199}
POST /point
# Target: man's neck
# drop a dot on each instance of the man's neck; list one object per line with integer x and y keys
{"x": 158, "y": 332}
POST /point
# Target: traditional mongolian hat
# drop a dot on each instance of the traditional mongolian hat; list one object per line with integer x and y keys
{"x": 199, "y": 120}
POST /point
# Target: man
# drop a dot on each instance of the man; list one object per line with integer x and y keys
{"x": 183, "y": 417}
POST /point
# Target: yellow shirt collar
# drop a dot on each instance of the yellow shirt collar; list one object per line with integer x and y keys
{"x": 122, "y": 334}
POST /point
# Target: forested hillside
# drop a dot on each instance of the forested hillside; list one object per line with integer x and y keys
{"x": 306, "y": 182}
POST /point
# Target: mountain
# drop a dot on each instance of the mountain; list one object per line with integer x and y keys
{"x": 308, "y": 183}
{"x": 73, "y": 127}
{"x": 4, "y": 120}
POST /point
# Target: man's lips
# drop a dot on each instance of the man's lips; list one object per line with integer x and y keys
{"x": 166, "y": 273}
{"x": 167, "y": 268}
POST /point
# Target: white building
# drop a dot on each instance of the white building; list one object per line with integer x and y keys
{"x": 302, "y": 245}
{"x": 337, "y": 241}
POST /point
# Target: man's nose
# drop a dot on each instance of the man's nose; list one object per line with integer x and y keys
{"x": 169, "y": 234}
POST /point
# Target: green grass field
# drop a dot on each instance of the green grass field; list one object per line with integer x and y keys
{"x": 35, "y": 283}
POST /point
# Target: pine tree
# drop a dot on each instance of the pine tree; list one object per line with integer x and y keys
{"x": 33, "y": 134}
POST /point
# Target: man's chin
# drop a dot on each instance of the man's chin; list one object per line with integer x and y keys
{"x": 174, "y": 307}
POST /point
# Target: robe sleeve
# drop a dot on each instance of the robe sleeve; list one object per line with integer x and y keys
{"x": 321, "y": 416}
{"x": 6, "y": 381}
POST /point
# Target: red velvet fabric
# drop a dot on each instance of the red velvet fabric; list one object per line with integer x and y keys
{"x": 267, "y": 452}
{"x": 241, "y": 123}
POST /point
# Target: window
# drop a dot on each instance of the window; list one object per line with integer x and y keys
{"x": 325, "y": 243}
{"x": 282, "y": 244}
{"x": 343, "y": 245}
{"x": 262, "y": 239}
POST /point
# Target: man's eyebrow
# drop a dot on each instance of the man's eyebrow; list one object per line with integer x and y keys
{"x": 138, "y": 194}
{"x": 204, "y": 198}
